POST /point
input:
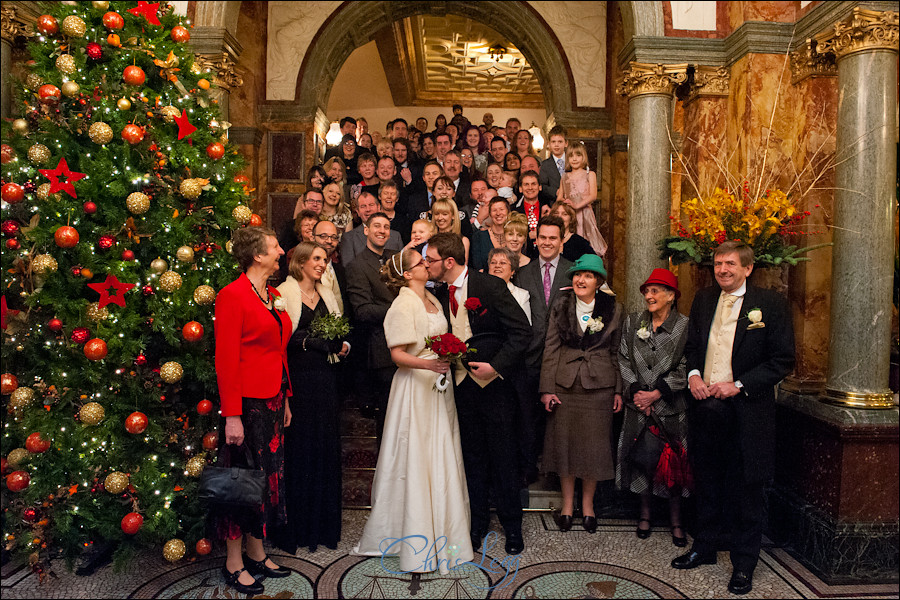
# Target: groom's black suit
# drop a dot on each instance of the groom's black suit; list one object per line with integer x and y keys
{"x": 488, "y": 416}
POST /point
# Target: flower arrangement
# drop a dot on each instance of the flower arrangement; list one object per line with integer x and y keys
{"x": 331, "y": 326}
{"x": 766, "y": 223}
{"x": 448, "y": 347}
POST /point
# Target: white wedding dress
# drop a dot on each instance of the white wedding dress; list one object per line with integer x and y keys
{"x": 420, "y": 502}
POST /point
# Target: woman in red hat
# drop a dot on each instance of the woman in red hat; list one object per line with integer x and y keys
{"x": 653, "y": 368}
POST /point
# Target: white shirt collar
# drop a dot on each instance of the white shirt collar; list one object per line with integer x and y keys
{"x": 740, "y": 291}
{"x": 461, "y": 279}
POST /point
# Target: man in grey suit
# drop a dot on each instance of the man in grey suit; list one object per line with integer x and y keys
{"x": 553, "y": 167}
{"x": 543, "y": 279}
{"x": 354, "y": 241}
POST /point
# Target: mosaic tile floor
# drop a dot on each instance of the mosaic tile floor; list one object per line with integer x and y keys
{"x": 612, "y": 563}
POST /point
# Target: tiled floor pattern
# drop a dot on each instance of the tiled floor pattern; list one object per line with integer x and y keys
{"x": 612, "y": 563}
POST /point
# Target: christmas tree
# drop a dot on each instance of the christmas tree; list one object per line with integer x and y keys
{"x": 119, "y": 193}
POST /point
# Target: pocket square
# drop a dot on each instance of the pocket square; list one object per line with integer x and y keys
{"x": 758, "y": 325}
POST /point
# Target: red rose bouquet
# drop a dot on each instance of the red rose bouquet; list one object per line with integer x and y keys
{"x": 474, "y": 304}
{"x": 448, "y": 347}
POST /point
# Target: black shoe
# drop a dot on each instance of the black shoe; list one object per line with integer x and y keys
{"x": 231, "y": 579}
{"x": 741, "y": 583}
{"x": 476, "y": 540}
{"x": 680, "y": 542}
{"x": 643, "y": 533}
{"x": 692, "y": 560}
{"x": 258, "y": 567}
{"x": 590, "y": 524}
{"x": 564, "y": 522}
{"x": 514, "y": 543}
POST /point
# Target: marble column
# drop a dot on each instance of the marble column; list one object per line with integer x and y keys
{"x": 650, "y": 91}
{"x": 865, "y": 45}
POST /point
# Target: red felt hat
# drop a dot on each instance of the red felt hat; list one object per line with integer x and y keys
{"x": 663, "y": 277}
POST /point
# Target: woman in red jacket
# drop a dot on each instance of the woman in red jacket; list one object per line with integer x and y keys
{"x": 252, "y": 330}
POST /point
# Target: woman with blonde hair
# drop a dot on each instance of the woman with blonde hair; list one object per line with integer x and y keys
{"x": 515, "y": 232}
{"x": 445, "y": 216}
{"x": 335, "y": 209}
{"x": 337, "y": 170}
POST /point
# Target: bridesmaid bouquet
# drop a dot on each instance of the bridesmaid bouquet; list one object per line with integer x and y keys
{"x": 449, "y": 347}
{"x": 332, "y": 326}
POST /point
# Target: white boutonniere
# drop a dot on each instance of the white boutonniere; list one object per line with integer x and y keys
{"x": 595, "y": 325}
{"x": 755, "y": 317}
{"x": 644, "y": 331}
{"x": 280, "y": 304}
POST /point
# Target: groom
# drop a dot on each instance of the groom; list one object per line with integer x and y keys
{"x": 481, "y": 305}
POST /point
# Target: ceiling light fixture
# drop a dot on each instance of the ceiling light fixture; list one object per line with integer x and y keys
{"x": 497, "y": 52}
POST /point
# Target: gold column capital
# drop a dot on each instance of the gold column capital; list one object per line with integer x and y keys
{"x": 222, "y": 68}
{"x": 708, "y": 81}
{"x": 861, "y": 31}
{"x": 13, "y": 25}
{"x": 811, "y": 61}
{"x": 646, "y": 78}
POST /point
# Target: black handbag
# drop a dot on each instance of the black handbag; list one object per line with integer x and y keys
{"x": 646, "y": 450}
{"x": 222, "y": 485}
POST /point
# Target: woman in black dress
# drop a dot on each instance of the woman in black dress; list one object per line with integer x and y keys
{"x": 313, "y": 447}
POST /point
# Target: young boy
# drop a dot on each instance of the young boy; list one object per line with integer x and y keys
{"x": 552, "y": 168}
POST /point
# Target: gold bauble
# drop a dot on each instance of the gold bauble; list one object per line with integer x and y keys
{"x": 65, "y": 64}
{"x": 95, "y": 313}
{"x": 43, "y": 264}
{"x": 171, "y": 372}
{"x": 91, "y": 413}
{"x": 20, "y": 126}
{"x": 195, "y": 466}
{"x": 173, "y": 551}
{"x": 70, "y": 89}
{"x": 115, "y": 482}
{"x": 191, "y": 189}
{"x": 123, "y": 104}
{"x": 169, "y": 113}
{"x": 73, "y": 26}
{"x": 158, "y": 265}
{"x": 229, "y": 246}
{"x": 138, "y": 203}
{"x": 169, "y": 281}
{"x": 241, "y": 214}
{"x": 33, "y": 81}
{"x": 39, "y": 154}
{"x": 21, "y": 397}
{"x": 204, "y": 295}
{"x": 17, "y": 456}
{"x": 100, "y": 5}
{"x": 185, "y": 254}
{"x": 100, "y": 133}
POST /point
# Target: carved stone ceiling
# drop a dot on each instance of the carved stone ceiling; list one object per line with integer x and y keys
{"x": 432, "y": 60}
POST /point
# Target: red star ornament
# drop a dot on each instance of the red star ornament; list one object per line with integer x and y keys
{"x": 62, "y": 170}
{"x": 184, "y": 128}
{"x": 111, "y": 291}
{"x": 147, "y": 10}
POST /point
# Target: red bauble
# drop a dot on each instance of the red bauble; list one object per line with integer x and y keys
{"x": 49, "y": 93}
{"x": 13, "y": 244}
{"x": 8, "y": 383}
{"x": 241, "y": 179}
{"x": 113, "y": 20}
{"x": 180, "y": 34}
{"x": 94, "y": 51}
{"x": 55, "y": 325}
{"x": 95, "y": 349}
{"x": 36, "y": 443}
{"x": 255, "y": 220}
{"x": 127, "y": 255}
{"x": 211, "y": 440}
{"x": 76, "y": 271}
{"x": 131, "y": 523}
{"x": 204, "y": 407}
{"x": 17, "y": 481}
{"x": 6, "y": 153}
{"x": 134, "y": 75}
{"x": 80, "y": 335}
{"x": 10, "y": 228}
{"x": 140, "y": 360}
{"x": 132, "y": 134}
{"x": 66, "y": 237}
{"x": 192, "y": 331}
{"x": 203, "y": 547}
{"x": 215, "y": 150}
{"x": 106, "y": 242}
{"x": 90, "y": 207}
{"x": 47, "y": 24}
{"x": 136, "y": 422}
{"x": 148, "y": 290}
{"x": 29, "y": 515}
{"x": 4, "y": 465}
{"x": 12, "y": 193}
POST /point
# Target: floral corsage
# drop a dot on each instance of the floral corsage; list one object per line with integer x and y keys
{"x": 755, "y": 317}
{"x": 279, "y": 304}
{"x": 595, "y": 325}
{"x": 644, "y": 331}
{"x": 474, "y": 304}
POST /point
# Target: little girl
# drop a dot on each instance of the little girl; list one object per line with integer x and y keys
{"x": 578, "y": 189}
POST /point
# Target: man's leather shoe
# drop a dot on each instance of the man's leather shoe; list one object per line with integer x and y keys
{"x": 564, "y": 522}
{"x": 514, "y": 543}
{"x": 589, "y": 524}
{"x": 692, "y": 560}
{"x": 476, "y": 540}
{"x": 741, "y": 583}
{"x": 258, "y": 567}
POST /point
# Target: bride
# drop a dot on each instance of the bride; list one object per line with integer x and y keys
{"x": 420, "y": 502}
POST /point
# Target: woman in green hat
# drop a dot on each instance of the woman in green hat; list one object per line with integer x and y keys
{"x": 581, "y": 386}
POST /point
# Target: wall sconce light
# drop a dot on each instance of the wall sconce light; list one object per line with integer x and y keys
{"x": 537, "y": 138}
{"x": 334, "y": 135}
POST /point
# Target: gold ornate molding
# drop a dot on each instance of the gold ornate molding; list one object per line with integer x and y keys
{"x": 863, "y": 30}
{"x": 223, "y": 69}
{"x": 13, "y": 25}
{"x": 644, "y": 78}
{"x": 808, "y": 62}
{"x": 708, "y": 81}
